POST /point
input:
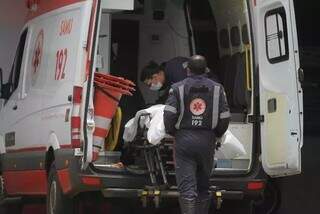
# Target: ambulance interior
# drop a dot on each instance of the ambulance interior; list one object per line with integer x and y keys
{"x": 159, "y": 30}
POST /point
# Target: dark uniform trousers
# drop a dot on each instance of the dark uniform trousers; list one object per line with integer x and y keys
{"x": 194, "y": 151}
{"x": 196, "y": 113}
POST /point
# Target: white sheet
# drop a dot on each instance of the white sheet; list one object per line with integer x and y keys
{"x": 230, "y": 148}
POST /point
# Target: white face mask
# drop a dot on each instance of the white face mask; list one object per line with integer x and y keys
{"x": 156, "y": 87}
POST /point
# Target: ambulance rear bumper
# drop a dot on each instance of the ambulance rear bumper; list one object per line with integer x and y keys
{"x": 125, "y": 185}
{"x": 168, "y": 194}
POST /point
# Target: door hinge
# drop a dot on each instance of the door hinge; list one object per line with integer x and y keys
{"x": 256, "y": 118}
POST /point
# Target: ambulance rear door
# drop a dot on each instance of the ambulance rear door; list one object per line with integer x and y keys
{"x": 280, "y": 89}
{"x": 99, "y": 7}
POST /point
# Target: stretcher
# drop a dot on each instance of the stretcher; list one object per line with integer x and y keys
{"x": 152, "y": 156}
{"x": 159, "y": 167}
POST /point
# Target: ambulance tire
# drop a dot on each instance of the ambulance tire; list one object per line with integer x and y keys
{"x": 57, "y": 202}
{"x": 271, "y": 201}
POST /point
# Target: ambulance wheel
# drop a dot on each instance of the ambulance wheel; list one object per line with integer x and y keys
{"x": 271, "y": 201}
{"x": 57, "y": 202}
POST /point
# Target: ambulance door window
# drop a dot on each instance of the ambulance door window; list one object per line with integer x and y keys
{"x": 16, "y": 67}
{"x": 276, "y": 35}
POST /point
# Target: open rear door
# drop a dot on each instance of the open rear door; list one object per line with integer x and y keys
{"x": 87, "y": 100}
{"x": 99, "y": 7}
{"x": 280, "y": 89}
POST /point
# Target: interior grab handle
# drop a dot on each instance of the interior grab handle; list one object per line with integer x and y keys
{"x": 248, "y": 67}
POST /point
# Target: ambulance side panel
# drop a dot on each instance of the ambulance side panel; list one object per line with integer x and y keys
{"x": 38, "y": 114}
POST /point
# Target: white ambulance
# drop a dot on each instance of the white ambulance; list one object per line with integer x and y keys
{"x": 46, "y": 117}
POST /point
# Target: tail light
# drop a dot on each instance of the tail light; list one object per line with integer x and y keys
{"x": 91, "y": 181}
{"x": 256, "y": 185}
{"x": 75, "y": 118}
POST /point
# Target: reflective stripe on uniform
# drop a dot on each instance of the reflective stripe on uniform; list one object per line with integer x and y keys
{"x": 181, "y": 94}
{"x": 215, "y": 107}
{"x": 170, "y": 109}
{"x": 225, "y": 115}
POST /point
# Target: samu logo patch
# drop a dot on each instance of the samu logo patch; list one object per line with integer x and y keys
{"x": 198, "y": 106}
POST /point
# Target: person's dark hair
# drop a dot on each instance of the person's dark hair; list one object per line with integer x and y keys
{"x": 149, "y": 70}
{"x": 197, "y": 64}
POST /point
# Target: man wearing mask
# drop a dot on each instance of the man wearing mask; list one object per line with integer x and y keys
{"x": 161, "y": 77}
{"x": 196, "y": 113}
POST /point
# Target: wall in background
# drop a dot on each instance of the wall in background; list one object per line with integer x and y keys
{"x": 12, "y": 16}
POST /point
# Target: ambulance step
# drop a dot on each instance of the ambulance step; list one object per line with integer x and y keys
{"x": 108, "y": 158}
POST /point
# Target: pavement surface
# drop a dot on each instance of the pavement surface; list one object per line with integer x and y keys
{"x": 301, "y": 193}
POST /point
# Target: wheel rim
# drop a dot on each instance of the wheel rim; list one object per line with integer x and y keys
{"x": 52, "y": 197}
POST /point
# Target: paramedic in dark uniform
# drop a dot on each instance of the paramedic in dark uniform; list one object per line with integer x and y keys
{"x": 161, "y": 77}
{"x": 196, "y": 113}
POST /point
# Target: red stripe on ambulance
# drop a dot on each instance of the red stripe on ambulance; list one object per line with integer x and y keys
{"x": 75, "y": 118}
{"x": 33, "y": 182}
{"x": 40, "y": 7}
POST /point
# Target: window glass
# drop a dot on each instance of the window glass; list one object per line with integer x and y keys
{"x": 16, "y": 67}
{"x": 276, "y": 36}
{"x": 235, "y": 36}
{"x": 224, "y": 39}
